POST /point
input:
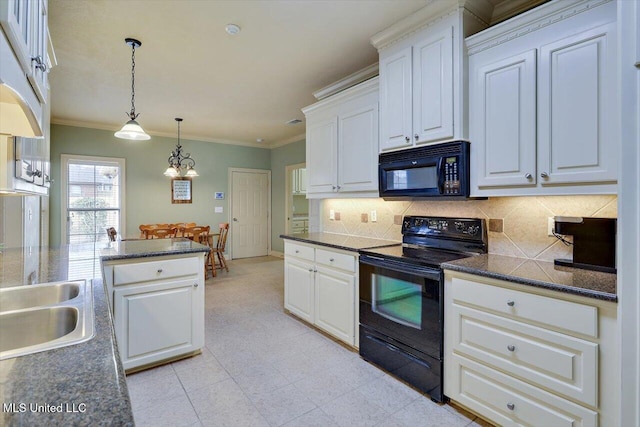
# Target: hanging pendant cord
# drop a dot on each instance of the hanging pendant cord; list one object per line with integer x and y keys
{"x": 133, "y": 114}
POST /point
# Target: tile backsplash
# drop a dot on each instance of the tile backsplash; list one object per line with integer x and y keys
{"x": 523, "y": 220}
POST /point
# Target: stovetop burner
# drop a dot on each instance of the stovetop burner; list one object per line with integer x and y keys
{"x": 432, "y": 241}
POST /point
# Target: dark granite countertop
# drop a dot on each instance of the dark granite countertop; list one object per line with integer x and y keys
{"x": 85, "y": 377}
{"x": 340, "y": 241}
{"x": 137, "y": 248}
{"x": 542, "y": 274}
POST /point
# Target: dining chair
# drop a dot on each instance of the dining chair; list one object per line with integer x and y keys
{"x": 218, "y": 250}
{"x": 112, "y": 233}
{"x": 198, "y": 233}
{"x": 160, "y": 233}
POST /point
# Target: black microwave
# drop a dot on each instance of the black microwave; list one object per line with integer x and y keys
{"x": 437, "y": 170}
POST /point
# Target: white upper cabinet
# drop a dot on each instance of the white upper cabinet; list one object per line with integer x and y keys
{"x": 422, "y": 76}
{"x": 542, "y": 104}
{"x": 342, "y": 143}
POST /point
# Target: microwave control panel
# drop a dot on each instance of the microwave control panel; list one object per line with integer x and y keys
{"x": 451, "y": 175}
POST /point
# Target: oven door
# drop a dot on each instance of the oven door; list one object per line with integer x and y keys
{"x": 403, "y": 302}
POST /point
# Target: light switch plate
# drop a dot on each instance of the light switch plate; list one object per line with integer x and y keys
{"x": 374, "y": 216}
{"x": 332, "y": 214}
{"x": 550, "y": 226}
{"x": 218, "y": 209}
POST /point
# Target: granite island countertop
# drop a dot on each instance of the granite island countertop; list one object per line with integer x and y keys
{"x": 340, "y": 241}
{"x": 85, "y": 380}
{"x": 542, "y": 274}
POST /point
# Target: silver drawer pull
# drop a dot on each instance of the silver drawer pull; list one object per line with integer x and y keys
{"x": 331, "y": 259}
{"x": 159, "y": 270}
{"x": 311, "y": 270}
{"x": 511, "y": 406}
{"x": 195, "y": 285}
{"x": 511, "y": 303}
{"x": 297, "y": 251}
{"x": 511, "y": 347}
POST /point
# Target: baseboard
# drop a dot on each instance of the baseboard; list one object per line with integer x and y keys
{"x": 277, "y": 254}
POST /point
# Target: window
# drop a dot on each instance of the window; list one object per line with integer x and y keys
{"x": 93, "y": 200}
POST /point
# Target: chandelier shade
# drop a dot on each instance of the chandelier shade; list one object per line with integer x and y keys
{"x": 132, "y": 130}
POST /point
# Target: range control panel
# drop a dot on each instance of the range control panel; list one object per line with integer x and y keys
{"x": 465, "y": 228}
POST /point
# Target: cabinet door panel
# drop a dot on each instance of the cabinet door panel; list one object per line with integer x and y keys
{"x": 395, "y": 100}
{"x": 577, "y": 108}
{"x": 433, "y": 88}
{"x": 358, "y": 150}
{"x": 157, "y": 322}
{"x": 335, "y": 304}
{"x": 503, "y": 121}
{"x": 322, "y": 142}
{"x": 298, "y": 288}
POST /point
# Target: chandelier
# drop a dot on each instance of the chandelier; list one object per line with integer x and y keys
{"x": 132, "y": 130}
{"x": 179, "y": 162}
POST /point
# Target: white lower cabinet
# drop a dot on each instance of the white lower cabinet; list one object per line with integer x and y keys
{"x": 158, "y": 308}
{"x": 520, "y": 355}
{"x": 320, "y": 288}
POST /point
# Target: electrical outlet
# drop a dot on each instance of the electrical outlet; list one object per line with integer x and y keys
{"x": 332, "y": 214}
{"x": 374, "y": 216}
{"x": 551, "y": 223}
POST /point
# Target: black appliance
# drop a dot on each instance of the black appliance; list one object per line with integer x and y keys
{"x": 437, "y": 170}
{"x": 401, "y": 297}
{"x": 594, "y": 242}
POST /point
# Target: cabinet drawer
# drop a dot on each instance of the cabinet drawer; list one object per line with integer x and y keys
{"x": 336, "y": 260}
{"x": 299, "y": 251}
{"x": 510, "y": 402}
{"x": 155, "y": 270}
{"x": 570, "y": 316}
{"x": 558, "y": 362}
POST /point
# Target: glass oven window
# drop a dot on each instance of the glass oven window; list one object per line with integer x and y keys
{"x": 413, "y": 178}
{"x": 397, "y": 300}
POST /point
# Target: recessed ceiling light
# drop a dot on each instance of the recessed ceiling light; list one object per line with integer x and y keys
{"x": 232, "y": 29}
{"x": 293, "y": 122}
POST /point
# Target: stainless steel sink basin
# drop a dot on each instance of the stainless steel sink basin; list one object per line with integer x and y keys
{"x": 44, "y": 317}
{"x": 37, "y": 295}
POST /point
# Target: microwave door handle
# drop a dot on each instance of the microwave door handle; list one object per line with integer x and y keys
{"x": 441, "y": 175}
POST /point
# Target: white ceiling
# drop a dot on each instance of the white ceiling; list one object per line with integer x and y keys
{"x": 227, "y": 89}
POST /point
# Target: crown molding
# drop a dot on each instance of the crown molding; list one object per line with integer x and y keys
{"x": 297, "y": 138}
{"x": 356, "y": 90}
{"x": 347, "y": 82}
{"x": 528, "y": 22}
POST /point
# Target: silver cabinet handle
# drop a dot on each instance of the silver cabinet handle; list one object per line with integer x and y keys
{"x": 528, "y": 176}
{"x": 235, "y": 219}
{"x": 297, "y": 251}
{"x": 333, "y": 187}
{"x": 511, "y": 347}
{"x": 159, "y": 270}
{"x": 331, "y": 260}
{"x": 338, "y": 187}
{"x": 416, "y": 136}
{"x": 406, "y": 138}
{"x": 314, "y": 270}
{"x": 195, "y": 285}
{"x": 511, "y": 406}
{"x": 511, "y": 303}
{"x": 40, "y": 65}
{"x": 544, "y": 175}
{"x": 311, "y": 270}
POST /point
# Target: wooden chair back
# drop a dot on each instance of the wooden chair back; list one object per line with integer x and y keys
{"x": 112, "y": 233}
{"x": 198, "y": 233}
{"x": 160, "y": 233}
{"x": 222, "y": 238}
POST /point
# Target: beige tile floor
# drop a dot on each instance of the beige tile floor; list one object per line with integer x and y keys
{"x": 262, "y": 367}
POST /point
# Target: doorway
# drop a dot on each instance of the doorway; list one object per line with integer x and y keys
{"x": 296, "y": 203}
{"x": 250, "y": 199}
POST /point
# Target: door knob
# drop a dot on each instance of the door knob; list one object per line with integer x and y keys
{"x": 235, "y": 219}
{"x": 544, "y": 175}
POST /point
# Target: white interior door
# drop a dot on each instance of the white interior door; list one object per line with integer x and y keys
{"x": 250, "y": 213}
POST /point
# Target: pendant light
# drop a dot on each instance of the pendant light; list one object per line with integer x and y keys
{"x": 179, "y": 161}
{"x": 132, "y": 130}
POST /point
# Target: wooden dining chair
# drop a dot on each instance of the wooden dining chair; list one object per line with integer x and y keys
{"x": 160, "y": 233}
{"x": 112, "y": 233}
{"x": 198, "y": 233}
{"x": 218, "y": 250}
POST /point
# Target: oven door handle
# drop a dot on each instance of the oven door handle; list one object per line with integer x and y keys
{"x": 441, "y": 177}
{"x": 415, "y": 270}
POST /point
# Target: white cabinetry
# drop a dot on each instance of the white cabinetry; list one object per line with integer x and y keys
{"x": 422, "y": 77}
{"x": 320, "y": 288}
{"x": 522, "y": 355}
{"x": 158, "y": 307}
{"x": 299, "y": 181}
{"x": 342, "y": 143}
{"x": 543, "y": 102}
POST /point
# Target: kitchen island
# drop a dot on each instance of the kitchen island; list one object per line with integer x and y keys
{"x": 82, "y": 384}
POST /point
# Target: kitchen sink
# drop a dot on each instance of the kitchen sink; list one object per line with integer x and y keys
{"x": 37, "y": 295}
{"x": 44, "y": 317}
